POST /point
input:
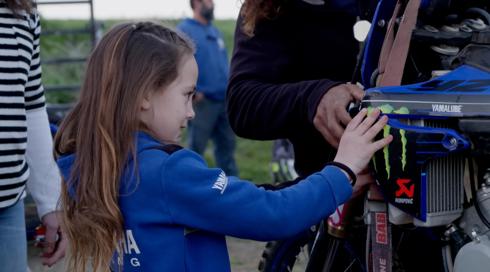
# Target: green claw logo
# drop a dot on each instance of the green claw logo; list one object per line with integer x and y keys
{"x": 387, "y": 109}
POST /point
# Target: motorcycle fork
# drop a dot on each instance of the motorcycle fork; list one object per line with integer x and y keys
{"x": 329, "y": 238}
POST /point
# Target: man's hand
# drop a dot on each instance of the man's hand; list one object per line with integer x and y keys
{"x": 331, "y": 116}
{"x": 55, "y": 242}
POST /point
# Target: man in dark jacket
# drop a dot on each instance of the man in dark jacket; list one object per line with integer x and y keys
{"x": 287, "y": 77}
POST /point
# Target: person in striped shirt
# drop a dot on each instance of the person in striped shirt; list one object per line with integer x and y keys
{"x": 25, "y": 142}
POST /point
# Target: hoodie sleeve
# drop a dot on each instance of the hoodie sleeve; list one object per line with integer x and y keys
{"x": 205, "y": 198}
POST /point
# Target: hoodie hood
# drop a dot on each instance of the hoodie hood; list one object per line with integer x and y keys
{"x": 65, "y": 164}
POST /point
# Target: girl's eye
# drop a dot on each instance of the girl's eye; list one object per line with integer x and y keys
{"x": 191, "y": 94}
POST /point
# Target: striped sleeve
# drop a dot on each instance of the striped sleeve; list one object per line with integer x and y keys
{"x": 20, "y": 93}
{"x": 34, "y": 92}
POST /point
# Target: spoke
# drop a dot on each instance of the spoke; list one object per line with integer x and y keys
{"x": 350, "y": 265}
{"x": 333, "y": 247}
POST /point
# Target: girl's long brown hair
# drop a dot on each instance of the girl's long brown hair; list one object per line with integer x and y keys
{"x": 253, "y": 11}
{"x": 130, "y": 61}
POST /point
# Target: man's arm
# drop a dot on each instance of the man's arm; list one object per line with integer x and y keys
{"x": 262, "y": 104}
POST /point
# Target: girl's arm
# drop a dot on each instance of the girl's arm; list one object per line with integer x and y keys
{"x": 204, "y": 198}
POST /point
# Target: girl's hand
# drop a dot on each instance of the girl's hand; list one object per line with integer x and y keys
{"x": 356, "y": 145}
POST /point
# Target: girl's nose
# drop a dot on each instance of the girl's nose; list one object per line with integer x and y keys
{"x": 191, "y": 114}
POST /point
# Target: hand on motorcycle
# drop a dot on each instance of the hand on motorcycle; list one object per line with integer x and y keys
{"x": 331, "y": 116}
{"x": 55, "y": 243}
{"x": 357, "y": 145}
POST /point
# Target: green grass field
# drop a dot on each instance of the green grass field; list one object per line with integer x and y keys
{"x": 253, "y": 157}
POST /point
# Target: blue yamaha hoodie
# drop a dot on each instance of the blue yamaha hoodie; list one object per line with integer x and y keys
{"x": 177, "y": 214}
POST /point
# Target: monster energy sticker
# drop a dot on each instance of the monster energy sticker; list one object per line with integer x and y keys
{"x": 394, "y": 170}
{"x": 387, "y": 109}
{"x": 403, "y": 110}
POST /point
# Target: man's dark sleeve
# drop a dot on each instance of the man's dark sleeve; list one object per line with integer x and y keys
{"x": 264, "y": 100}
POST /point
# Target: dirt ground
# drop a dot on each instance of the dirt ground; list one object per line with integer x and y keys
{"x": 244, "y": 257}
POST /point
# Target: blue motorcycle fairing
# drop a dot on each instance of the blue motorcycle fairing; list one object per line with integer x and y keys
{"x": 432, "y": 142}
{"x": 464, "y": 80}
{"x": 463, "y": 92}
{"x": 401, "y": 168}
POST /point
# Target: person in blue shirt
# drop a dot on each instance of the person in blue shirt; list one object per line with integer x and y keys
{"x": 211, "y": 120}
{"x": 133, "y": 199}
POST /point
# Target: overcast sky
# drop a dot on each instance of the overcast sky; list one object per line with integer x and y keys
{"x": 134, "y": 9}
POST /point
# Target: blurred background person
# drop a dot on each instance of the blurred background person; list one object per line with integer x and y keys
{"x": 211, "y": 121}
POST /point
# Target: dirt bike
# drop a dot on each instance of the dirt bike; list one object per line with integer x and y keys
{"x": 433, "y": 180}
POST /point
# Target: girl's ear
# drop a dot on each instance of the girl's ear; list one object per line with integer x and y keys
{"x": 145, "y": 103}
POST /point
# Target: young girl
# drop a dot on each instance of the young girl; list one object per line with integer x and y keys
{"x": 135, "y": 200}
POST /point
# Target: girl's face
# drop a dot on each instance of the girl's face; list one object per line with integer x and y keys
{"x": 167, "y": 111}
